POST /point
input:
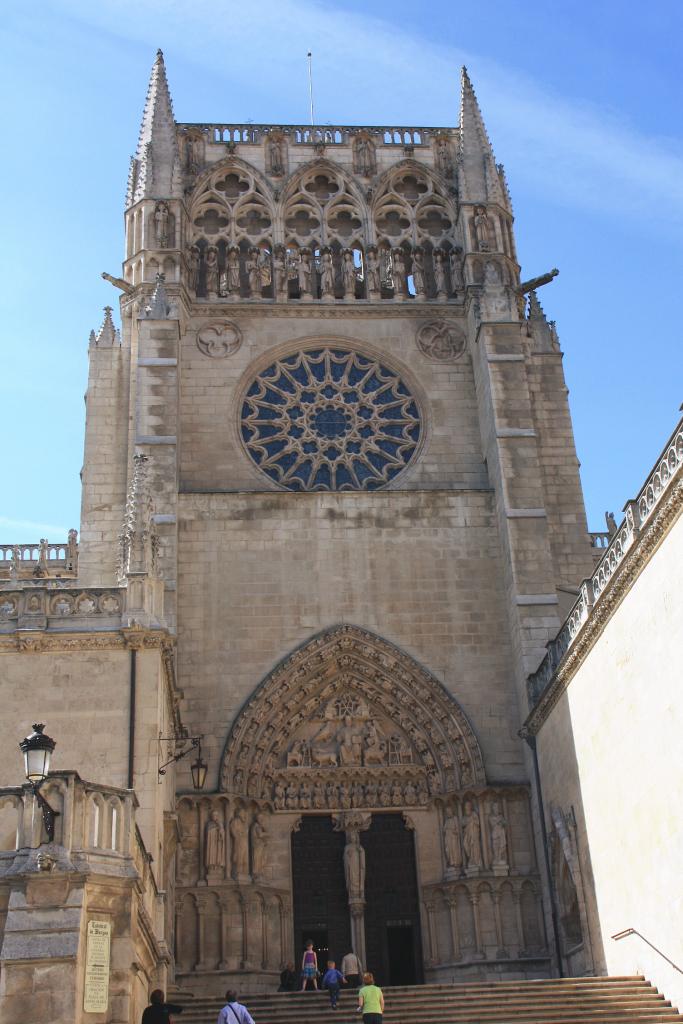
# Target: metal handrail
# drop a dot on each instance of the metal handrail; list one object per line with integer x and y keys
{"x": 634, "y": 931}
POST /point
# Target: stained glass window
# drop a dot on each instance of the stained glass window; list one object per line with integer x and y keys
{"x": 330, "y": 419}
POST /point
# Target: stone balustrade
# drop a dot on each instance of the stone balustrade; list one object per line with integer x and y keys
{"x": 311, "y": 135}
{"x": 39, "y": 559}
{"x": 639, "y": 513}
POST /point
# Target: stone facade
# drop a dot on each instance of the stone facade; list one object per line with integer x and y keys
{"x": 331, "y": 518}
{"x": 606, "y": 717}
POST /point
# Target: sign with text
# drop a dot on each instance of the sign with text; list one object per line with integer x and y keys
{"x": 96, "y": 993}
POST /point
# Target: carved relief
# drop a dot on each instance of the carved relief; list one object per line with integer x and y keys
{"x": 364, "y": 157}
{"x": 347, "y": 722}
{"x": 219, "y": 339}
{"x": 441, "y": 340}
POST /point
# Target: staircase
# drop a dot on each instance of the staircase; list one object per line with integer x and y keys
{"x": 628, "y": 1000}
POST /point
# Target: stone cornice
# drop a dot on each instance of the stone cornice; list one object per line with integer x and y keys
{"x": 40, "y": 642}
{"x": 634, "y": 560}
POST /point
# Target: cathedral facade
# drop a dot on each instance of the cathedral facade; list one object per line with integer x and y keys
{"x": 331, "y": 518}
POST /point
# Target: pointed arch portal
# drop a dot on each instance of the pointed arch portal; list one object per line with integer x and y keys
{"x": 349, "y": 720}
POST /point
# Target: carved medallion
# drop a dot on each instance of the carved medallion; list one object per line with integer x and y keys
{"x": 441, "y": 340}
{"x": 219, "y": 339}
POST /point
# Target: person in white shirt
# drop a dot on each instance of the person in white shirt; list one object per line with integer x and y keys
{"x": 234, "y": 1012}
{"x": 352, "y": 969}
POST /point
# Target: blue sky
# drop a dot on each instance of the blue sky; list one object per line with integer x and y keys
{"x": 583, "y": 105}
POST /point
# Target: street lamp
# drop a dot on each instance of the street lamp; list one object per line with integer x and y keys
{"x": 37, "y": 750}
{"x": 198, "y": 767}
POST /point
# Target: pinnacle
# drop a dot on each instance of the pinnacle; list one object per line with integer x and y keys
{"x": 477, "y": 162}
{"x": 158, "y": 110}
{"x": 535, "y": 308}
{"x": 151, "y": 171}
{"x": 107, "y": 334}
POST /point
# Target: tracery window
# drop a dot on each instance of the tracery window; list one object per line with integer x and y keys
{"x": 330, "y": 419}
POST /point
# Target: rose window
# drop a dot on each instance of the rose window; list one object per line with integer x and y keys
{"x": 330, "y": 419}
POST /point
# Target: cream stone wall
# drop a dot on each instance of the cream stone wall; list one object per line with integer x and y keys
{"x": 611, "y": 749}
{"x": 212, "y": 457}
{"x": 275, "y": 569}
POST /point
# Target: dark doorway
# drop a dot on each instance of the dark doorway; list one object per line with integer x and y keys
{"x": 392, "y": 911}
{"x": 321, "y": 912}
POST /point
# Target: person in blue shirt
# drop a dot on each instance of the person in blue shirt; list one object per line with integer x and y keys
{"x": 233, "y": 1012}
{"x": 332, "y": 981}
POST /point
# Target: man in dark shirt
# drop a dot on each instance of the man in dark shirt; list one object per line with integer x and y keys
{"x": 159, "y": 1011}
{"x": 289, "y": 981}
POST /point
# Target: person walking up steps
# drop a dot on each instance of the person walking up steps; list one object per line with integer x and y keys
{"x": 352, "y": 969}
{"x": 370, "y": 1001}
{"x": 309, "y": 967}
{"x": 332, "y": 979}
{"x": 234, "y": 1012}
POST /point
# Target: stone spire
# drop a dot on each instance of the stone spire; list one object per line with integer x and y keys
{"x": 154, "y": 168}
{"x": 138, "y": 540}
{"x": 159, "y": 306}
{"x": 107, "y": 336}
{"x": 478, "y": 174}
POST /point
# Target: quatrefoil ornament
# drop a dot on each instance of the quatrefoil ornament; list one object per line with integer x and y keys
{"x": 219, "y": 339}
{"x": 441, "y": 340}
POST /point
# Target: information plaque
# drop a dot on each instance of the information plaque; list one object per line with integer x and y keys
{"x": 96, "y": 993}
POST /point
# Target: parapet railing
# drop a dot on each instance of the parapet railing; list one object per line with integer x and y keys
{"x": 40, "y": 558}
{"x": 311, "y": 135}
{"x": 600, "y": 539}
{"x": 634, "y": 931}
{"x": 638, "y": 513}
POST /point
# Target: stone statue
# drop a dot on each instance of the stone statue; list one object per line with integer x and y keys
{"x": 372, "y": 271}
{"x": 374, "y": 752}
{"x": 161, "y": 224}
{"x": 443, "y": 156}
{"x": 263, "y": 269}
{"x": 331, "y": 794}
{"x": 259, "y": 847}
{"x": 499, "y": 839}
{"x": 372, "y": 793}
{"x": 327, "y": 275}
{"x": 364, "y": 153}
{"x": 292, "y": 797}
{"x": 194, "y": 261}
{"x": 440, "y": 274}
{"x": 214, "y": 845}
{"x": 396, "y": 794}
{"x": 41, "y": 568}
{"x": 233, "y": 270}
{"x": 357, "y": 795}
{"x": 239, "y": 834}
{"x": 471, "y": 838}
{"x": 253, "y": 272}
{"x": 279, "y": 273}
{"x": 304, "y": 273}
{"x": 483, "y": 229}
{"x": 212, "y": 271}
{"x": 305, "y": 797}
{"x": 611, "y": 523}
{"x": 348, "y": 273}
{"x": 455, "y": 264}
{"x": 385, "y": 794}
{"x": 451, "y": 842}
{"x": 354, "y": 866}
{"x": 318, "y": 796}
{"x": 492, "y": 273}
{"x": 344, "y": 797}
{"x": 279, "y": 797}
{"x": 419, "y": 281}
{"x": 350, "y": 750}
{"x": 275, "y": 159}
{"x": 398, "y": 273}
{"x": 410, "y": 794}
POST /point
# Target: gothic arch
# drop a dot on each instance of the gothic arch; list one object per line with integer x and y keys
{"x": 410, "y": 204}
{"x": 295, "y": 730}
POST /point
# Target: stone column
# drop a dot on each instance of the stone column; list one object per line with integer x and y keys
{"x": 479, "y": 953}
{"x": 357, "y": 910}
{"x": 202, "y": 906}
{"x": 500, "y": 951}
{"x": 430, "y": 907}
{"x": 452, "y": 903}
{"x": 521, "y": 944}
{"x": 224, "y": 906}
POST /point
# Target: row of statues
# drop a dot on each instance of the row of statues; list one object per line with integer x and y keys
{"x": 462, "y": 840}
{"x": 380, "y": 792}
{"x": 326, "y": 274}
{"x": 244, "y": 838}
{"x": 349, "y": 742}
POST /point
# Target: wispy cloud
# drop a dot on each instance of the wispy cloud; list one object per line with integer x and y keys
{"x": 30, "y": 530}
{"x": 368, "y": 70}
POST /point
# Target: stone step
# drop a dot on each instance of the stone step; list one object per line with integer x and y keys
{"x": 618, "y": 1000}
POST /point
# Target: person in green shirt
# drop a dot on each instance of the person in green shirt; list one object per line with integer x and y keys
{"x": 370, "y": 1001}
